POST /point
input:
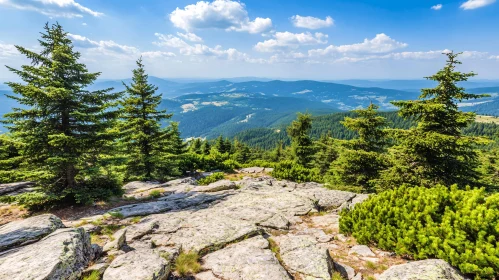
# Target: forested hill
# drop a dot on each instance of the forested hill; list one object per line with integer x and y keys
{"x": 268, "y": 138}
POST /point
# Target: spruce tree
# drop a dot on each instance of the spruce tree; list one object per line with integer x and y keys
{"x": 301, "y": 144}
{"x": 361, "y": 159}
{"x": 142, "y": 135}
{"x": 60, "y": 122}
{"x": 326, "y": 153}
{"x": 195, "y": 146}
{"x": 436, "y": 151}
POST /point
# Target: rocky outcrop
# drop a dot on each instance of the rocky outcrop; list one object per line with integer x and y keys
{"x": 117, "y": 240}
{"x": 63, "y": 254}
{"x": 26, "y": 231}
{"x": 301, "y": 256}
{"x": 432, "y": 269}
{"x": 249, "y": 259}
{"x": 16, "y": 188}
{"x": 140, "y": 264}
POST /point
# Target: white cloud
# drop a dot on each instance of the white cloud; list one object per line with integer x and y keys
{"x": 437, "y": 7}
{"x": 202, "y": 50}
{"x": 475, "y": 4}
{"x": 7, "y": 50}
{"x": 157, "y": 54}
{"x": 311, "y": 22}
{"x": 382, "y": 43}
{"x": 219, "y": 14}
{"x": 494, "y": 57}
{"x": 107, "y": 47}
{"x": 84, "y": 24}
{"x": 52, "y": 8}
{"x": 288, "y": 39}
{"x": 190, "y": 37}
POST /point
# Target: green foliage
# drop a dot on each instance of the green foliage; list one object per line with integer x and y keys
{"x": 11, "y": 160}
{"x": 293, "y": 171}
{"x": 187, "y": 264}
{"x": 459, "y": 226}
{"x": 95, "y": 275}
{"x": 301, "y": 143}
{"x": 435, "y": 151}
{"x": 211, "y": 178}
{"x": 155, "y": 194}
{"x": 144, "y": 140}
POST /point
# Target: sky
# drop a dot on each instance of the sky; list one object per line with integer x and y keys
{"x": 292, "y": 39}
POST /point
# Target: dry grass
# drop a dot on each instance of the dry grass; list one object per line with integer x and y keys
{"x": 487, "y": 119}
{"x": 187, "y": 264}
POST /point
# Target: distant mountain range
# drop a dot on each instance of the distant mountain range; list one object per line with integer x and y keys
{"x": 208, "y": 109}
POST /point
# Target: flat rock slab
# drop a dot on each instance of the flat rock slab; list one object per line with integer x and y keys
{"x": 168, "y": 203}
{"x": 221, "y": 185}
{"x": 361, "y": 250}
{"x": 141, "y": 264}
{"x": 330, "y": 220}
{"x": 302, "y": 256}
{"x": 28, "y": 230}
{"x": 63, "y": 254}
{"x": 6, "y": 189}
{"x": 138, "y": 186}
{"x": 432, "y": 269}
{"x": 247, "y": 260}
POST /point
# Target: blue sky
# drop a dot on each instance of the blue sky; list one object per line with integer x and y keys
{"x": 322, "y": 40}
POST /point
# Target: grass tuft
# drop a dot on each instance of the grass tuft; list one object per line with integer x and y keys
{"x": 187, "y": 264}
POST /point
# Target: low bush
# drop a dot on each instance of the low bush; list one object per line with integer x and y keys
{"x": 295, "y": 172}
{"x": 459, "y": 226}
{"x": 211, "y": 179}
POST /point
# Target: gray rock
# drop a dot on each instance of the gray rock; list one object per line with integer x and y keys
{"x": 277, "y": 221}
{"x": 168, "y": 203}
{"x": 96, "y": 251}
{"x": 251, "y": 170}
{"x": 330, "y": 220}
{"x": 61, "y": 255}
{"x": 117, "y": 240}
{"x": 346, "y": 271}
{"x": 341, "y": 237}
{"x": 206, "y": 275}
{"x": 249, "y": 259}
{"x": 221, "y": 185}
{"x": 138, "y": 186}
{"x": 182, "y": 181}
{"x": 361, "y": 250}
{"x": 15, "y": 188}
{"x": 28, "y": 230}
{"x": 432, "y": 269}
{"x": 301, "y": 255}
{"x": 141, "y": 264}
{"x": 358, "y": 276}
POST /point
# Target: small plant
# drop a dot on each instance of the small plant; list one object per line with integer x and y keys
{"x": 336, "y": 276}
{"x": 95, "y": 275}
{"x": 371, "y": 265}
{"x": 275, "y": 249}
{"x": 135, "y": 220}
{"x": 187, "y": 264}
{"x": 155, "y": 194}
{"x": 370, "y": 278}
{"x": 211, "y": 179}
{"x": 116, "y": 215}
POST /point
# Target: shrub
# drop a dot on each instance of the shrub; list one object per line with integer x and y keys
{"x": 292, "y": 171}
{"x": 459, "y": 226}
{"x": 230, "y": 165}
{"x": 260, "y": 163}
{"x": 212, "y": 178}
{"x": 187, "y": 264}
{"x": 155, "y": 194}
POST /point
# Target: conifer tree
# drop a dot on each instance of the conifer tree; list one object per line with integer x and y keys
{"x": 436, "y": 151}
{"x": 326, "y": 153}
{"x": 205, "y": 147}
{"x": 175, "y": 143}
{"x": 361, "y": 160}
{"x": 144, "y": 139}
{"x": 195, "y": 146}
{"x": 301, "y": 143}
{"x": 60, "y": 122}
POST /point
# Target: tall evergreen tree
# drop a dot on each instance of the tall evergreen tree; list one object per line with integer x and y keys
{"x": 326, "y": 153}
{"x": 195, "y": 146}
{"x": 142, "y": 134}
{"x": 301, "y": 143}
{"x": 436, "y": 151}
{"x": 60, "y": 122}
{"x": 361, "y": 160}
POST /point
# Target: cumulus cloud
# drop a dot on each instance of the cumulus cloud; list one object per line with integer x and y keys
{"x": 494, "y": 57}
{"x": 288, "y": 39}
{"x": 437, "y": 7}
{"x": 190, "y": 37}
{"x": 53, "y": 8}
{"x": 202, "y": 50}
{"x": 107, "y": 47}
{"x": 7, "y": 50}
{"x": 382, "y": 43}
{"x": 157, "y": 54}
{"x": 311, "y": 22}
{"x": 219, "y": 14}
{"x": 475, "y": 4}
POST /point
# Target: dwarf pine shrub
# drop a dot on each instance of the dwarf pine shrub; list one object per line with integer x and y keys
{"x": 459, "y": 226}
